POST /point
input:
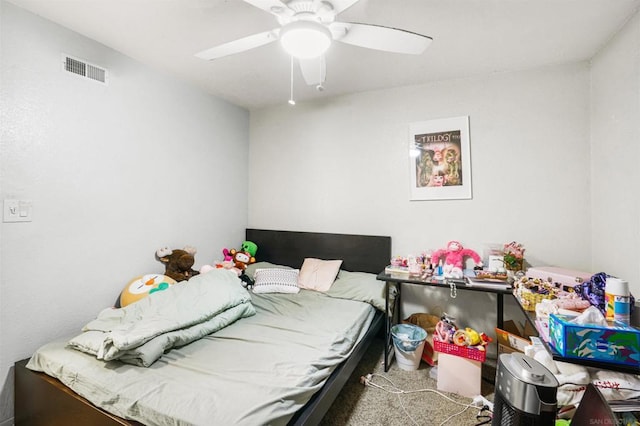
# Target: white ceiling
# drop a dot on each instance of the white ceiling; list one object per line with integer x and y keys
{"x": 471, "y": 37}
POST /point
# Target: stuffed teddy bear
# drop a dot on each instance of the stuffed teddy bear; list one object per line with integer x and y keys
{"x": 454, "y": 256}
{"x": 237, "y": 260}
{"x": 246, "y": 246}
{"x": 178, "y": 263}
{"x": 241, "y": 259}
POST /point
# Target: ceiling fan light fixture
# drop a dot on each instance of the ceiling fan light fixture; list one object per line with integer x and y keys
{"x": 305, "y": 39}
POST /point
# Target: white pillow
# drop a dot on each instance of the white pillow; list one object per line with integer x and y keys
{"x": 317, "y": 274}
{"x": 251, "y": 269}
{"x": 276, "y": 280}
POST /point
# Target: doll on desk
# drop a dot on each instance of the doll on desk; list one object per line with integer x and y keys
{"x": 454, "y": 257}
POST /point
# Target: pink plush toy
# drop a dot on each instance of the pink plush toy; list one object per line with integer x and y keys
{"x": 226, "y": 253}
{"x": 454, "y": 256}
{"x": 226, "y": 263}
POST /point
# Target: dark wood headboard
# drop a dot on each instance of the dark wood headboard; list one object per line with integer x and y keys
{"x": 361, "y": 253}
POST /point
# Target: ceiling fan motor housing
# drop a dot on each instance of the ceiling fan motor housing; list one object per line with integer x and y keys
{"x": 305, "y": 39}
{"x": 308, "y": 10}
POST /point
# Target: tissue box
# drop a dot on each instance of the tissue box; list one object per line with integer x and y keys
{"x": 617, "y": 343}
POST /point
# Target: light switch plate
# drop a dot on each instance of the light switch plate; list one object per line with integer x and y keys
{"x": 18, "y": 210}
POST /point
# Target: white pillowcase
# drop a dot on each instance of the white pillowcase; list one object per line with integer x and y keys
{"x": 317, "y": 274}
{"x": 276, "y": 280}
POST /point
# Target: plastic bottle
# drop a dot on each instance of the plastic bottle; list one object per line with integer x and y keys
{"x": 617, "y": 300}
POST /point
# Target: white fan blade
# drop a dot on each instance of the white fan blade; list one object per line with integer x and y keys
{"x": 340, "y": 5}
{"x": 240, "y": 45}
{"x": 382, "y": 38}
{"x": 313, "y": 70}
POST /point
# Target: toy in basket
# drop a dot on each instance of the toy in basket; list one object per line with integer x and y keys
{"x": 466, "y": 343}
{"x": 531, "y": 291}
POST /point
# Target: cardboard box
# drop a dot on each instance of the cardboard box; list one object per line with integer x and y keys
{"x": 513, "y": 338}
{"x": 459, "y": 375}
{"x": 618, "y": 343}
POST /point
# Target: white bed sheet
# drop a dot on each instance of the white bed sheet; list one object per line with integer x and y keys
{"x": 259, "y": 370}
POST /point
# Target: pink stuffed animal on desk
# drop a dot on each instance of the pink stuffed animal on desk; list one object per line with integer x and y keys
{"x": 454, "y": 256}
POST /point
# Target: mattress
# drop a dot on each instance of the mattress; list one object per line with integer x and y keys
{"x": 258, "y": 370}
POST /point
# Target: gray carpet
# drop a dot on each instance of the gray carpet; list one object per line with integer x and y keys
{"x": 364, "y": 405}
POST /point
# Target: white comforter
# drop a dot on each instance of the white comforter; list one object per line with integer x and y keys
{"x": 141, "y": 332}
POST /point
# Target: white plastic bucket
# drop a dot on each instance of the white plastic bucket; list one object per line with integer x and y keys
{"x": 408, "y": 344}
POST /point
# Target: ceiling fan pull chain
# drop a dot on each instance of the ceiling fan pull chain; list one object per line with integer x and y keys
{"x": 291, "y": 101}
{"x": 320, "y": 87}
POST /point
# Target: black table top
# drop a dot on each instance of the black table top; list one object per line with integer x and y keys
{"x": 460, "y": 284}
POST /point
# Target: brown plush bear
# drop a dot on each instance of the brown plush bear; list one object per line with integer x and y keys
{"x": 178, "y": 263}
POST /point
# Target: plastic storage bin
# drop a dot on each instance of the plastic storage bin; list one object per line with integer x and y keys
{"x": 461, "y": 351}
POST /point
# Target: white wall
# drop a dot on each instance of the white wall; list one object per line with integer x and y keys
{"x": 615, "y": 150}
{"x": 114, "y": 172}
{"x": 342, "y": 166}
{"x": 4, "y": 392}
{"x": 89, "y": 156}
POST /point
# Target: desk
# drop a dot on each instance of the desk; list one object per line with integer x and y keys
{"x": 392, "y": 310}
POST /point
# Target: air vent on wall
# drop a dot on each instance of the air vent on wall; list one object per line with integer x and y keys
{"x": 84, "y": 69}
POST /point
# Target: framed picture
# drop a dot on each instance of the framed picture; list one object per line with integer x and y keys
{"x": 439, "y": 159}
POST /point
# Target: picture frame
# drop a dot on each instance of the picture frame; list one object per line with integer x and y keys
{"x": 440, "y": 159}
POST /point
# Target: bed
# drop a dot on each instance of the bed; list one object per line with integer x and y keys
{"x": 244, "y": 385}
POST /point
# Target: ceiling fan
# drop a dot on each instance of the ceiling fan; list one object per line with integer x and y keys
{"x": 307, "y": 29}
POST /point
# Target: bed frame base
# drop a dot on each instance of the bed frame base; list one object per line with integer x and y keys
{"x": 41, "y": 400}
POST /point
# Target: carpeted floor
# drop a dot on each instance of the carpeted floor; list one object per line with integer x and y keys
{"x": 359, "y": 405}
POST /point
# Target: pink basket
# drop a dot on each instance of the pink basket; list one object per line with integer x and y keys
{"x": 463, "y": 351}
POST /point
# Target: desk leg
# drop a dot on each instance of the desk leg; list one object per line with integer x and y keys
{"x": 390, "y": 318}
{"x": 500, "y": 298}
